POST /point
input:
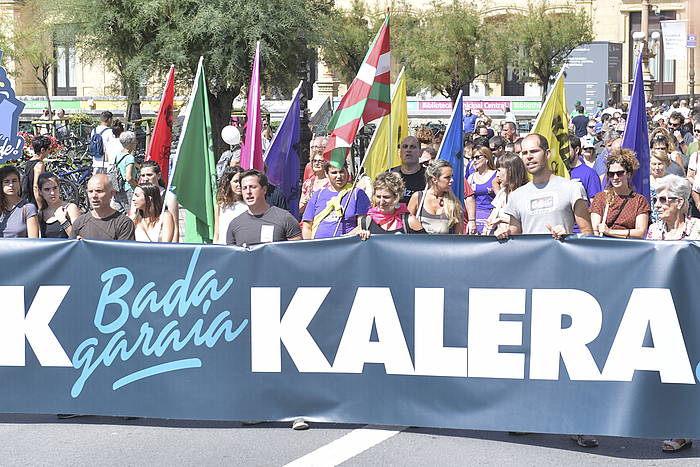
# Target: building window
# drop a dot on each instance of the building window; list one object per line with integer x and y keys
{"x": 663, "y": 71}
{"x": 64, "y": 82}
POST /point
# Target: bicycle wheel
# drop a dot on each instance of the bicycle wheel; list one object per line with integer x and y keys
{"x": 76, "y": 194}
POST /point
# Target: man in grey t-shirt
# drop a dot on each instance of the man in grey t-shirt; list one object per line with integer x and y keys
{"x": 262, "y": 223}
{"x": 548, "y": 204}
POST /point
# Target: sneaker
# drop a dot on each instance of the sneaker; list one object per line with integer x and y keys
{"x": 585, "y": 441}
{"x": 300, "y": 424}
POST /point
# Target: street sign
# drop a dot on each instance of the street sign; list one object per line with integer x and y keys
{"x": 692, "y": 41}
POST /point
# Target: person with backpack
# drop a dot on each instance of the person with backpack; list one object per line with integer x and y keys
{"x": 33, "y": 168}
{"x": 123, "y": 173}
{"x": 99, "y": 141}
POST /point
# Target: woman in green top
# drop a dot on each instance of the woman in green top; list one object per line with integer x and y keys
{"x": 124, "y": 161}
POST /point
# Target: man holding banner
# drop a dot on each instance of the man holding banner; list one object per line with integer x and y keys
{"x": 549, "y": 203}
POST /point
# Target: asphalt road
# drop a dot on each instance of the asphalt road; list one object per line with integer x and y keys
{"x": 105, "y": 441}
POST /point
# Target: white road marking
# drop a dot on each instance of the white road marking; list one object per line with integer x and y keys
{"x": 347, "y": 447}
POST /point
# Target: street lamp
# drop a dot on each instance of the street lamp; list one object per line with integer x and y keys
{"x": 648, "y": 48}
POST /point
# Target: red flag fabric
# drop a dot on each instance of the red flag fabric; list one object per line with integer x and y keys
{"x": 162, "y": 136}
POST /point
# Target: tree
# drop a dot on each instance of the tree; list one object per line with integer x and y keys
{"x": 31, "y": 43}
{"x": 345, "y": 35}
{"x": 450, "y": 45}
{"x": 118, "y": 33}
{"x": 547, "y": 37}
{"x": 225, "y": 32}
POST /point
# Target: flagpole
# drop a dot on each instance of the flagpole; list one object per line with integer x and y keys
{"x": 389, "y": 154}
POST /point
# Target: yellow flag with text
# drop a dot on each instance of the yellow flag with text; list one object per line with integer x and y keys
{"x": 553, "y": 124}
{"x": 376, "y": 159}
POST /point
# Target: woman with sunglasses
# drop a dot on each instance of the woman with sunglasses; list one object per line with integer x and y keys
{"x": 661, "y": 139}
{"x": 671, "y": 200}
{"x": 659, "y": 163}
{"x": 316, "y": 182}
{"x": 56, "y": 216}
{"x": 484, "y": 184}
{"x": 618, "y": 211}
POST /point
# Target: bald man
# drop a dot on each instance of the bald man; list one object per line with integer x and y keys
{"x": 412, "y": 172}
{"x": 103, "y": 222}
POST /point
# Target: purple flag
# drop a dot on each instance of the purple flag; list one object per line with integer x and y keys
{"x": 636, "y": 135}
{"x": 282, "y": 156}
{"x": 251, "y": 151}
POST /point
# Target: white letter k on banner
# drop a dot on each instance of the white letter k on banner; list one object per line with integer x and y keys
{"x": 15, "y": 326}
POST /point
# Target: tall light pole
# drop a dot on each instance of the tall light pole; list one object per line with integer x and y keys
{"x": 691, "y": 59}
{"x": 645, "y": 44}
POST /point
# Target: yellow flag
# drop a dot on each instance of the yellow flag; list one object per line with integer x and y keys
{"x": 376, "y": 160}
{"x": 553, "y": 124}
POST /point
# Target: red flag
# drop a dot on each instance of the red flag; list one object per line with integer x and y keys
{"x": 162, "y": 136}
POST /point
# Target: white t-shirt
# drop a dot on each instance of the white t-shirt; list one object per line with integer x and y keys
{"x": 106, "y": 137}
{"x": 542, "y": 204}
{"x": 227, "y": 214}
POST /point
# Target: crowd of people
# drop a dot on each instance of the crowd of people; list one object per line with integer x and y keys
{"x": 510, "y": 189}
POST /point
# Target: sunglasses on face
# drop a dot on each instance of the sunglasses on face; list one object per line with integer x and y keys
{"x": 664, "y": 199}
{"x": 619, "y": 173}
{"x": 674, "y": 125}
{"x": 696, "y": 130}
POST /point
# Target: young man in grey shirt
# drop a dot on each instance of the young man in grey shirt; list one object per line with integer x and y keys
{"x": 262, "y": 223}
{"x": 549, "y": 203}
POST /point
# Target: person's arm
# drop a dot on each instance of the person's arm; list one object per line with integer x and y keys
{"x": 127, "y": 230}
{"x": 174, "y": 210}
{"x": 459, "y": 228}
{"x": 596, "y": 223}
{"x": 33, "y": 226}
{"x": 641, "y": 224}
{"x": 514, "y": 228}
{"x": 358, "y": 227}
{"x": 470, "y": 206}
{"x": 216, "y": 223}
{"x": 167, "y": 228}
{"x": 495, "y": 185}
{"x": 130, "y": 176}
{"x": 413, "y": 203}
{"x": 306, "y": 230}
{"x": 39, "y": 168}
{"x": 292, "y": 229}
{"x": 583, "y": 217}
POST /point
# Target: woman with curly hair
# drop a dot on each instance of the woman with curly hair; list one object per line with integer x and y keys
{"x": 618, "y": 211}
{"x": 424, "y": 135}
{"x": 229, "y": 200}
{"x": 436, "y": 208}
{"x": 387, "y": 215}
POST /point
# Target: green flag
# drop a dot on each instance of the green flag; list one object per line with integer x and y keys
{"x": 194, "y": 172}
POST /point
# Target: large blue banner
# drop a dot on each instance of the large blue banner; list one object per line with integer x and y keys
{"x": 587, "y": 335}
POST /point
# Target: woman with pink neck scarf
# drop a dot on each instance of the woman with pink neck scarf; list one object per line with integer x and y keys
{"x": 387, "y": 215}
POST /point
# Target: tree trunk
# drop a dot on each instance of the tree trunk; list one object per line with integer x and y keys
{"x": 133, "y": 101}
{"x": 220, "y": 106}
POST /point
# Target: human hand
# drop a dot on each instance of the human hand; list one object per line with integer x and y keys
{"x": 471, "y": 228}
{"x": 602, "y": 229}
{"x": 503, "y": 235}
{"x": 363, "y": 234}
{"x": 558, "y": 231}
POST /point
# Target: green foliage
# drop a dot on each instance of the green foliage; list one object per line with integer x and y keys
{"x": 444, "y": 47}
{"x": 345, "y": 35}
{"x": 453, "y": 46}
{"x": 547, "y": 37}
{"x": 80, "y": 119}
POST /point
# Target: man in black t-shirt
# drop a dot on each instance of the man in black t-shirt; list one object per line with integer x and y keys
{"x": 412, "y": 172}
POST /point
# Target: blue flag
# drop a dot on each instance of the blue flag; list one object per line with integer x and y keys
{"x": 636, "y": 135}
{"x": 282, "y": 156}
{"x": 452, "y": 148}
